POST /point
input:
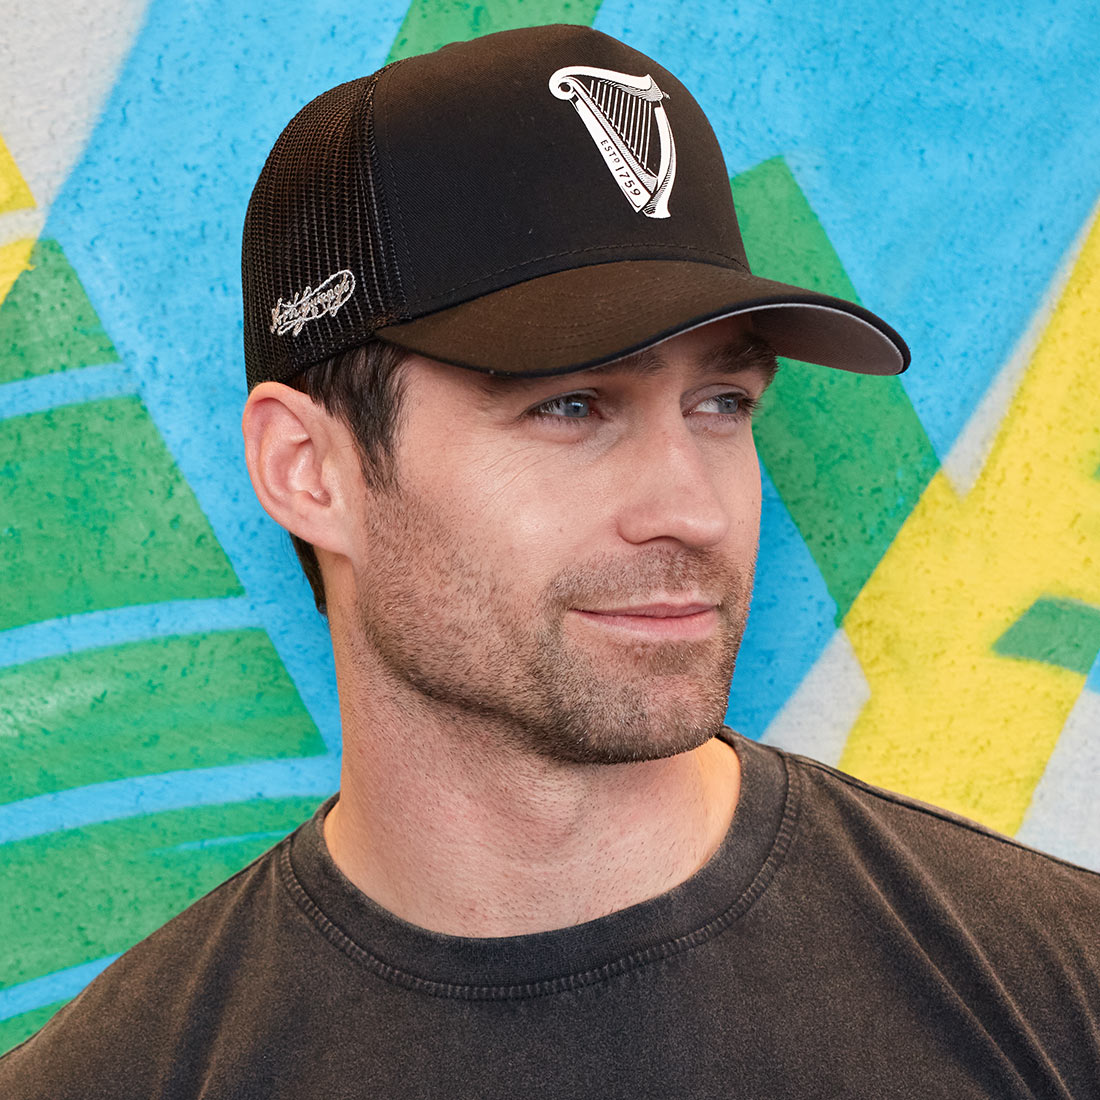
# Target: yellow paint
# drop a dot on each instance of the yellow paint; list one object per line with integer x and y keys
{"x": 14, "y": 195}
{"x": 949, "y": 721}
{"x": 14, "y": 260}
{"x": 14, "y": 192}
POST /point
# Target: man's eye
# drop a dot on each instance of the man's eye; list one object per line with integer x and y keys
{"x": 573, "y": 406}
{"x": 729, "y": 404}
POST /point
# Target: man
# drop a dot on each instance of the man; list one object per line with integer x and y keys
{"x": 503, "y": 349}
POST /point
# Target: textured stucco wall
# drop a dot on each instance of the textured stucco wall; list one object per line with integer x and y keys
{"x": 927, "y": 612}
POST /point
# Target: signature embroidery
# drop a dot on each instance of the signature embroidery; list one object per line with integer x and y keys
{"x": 310, "y": 304}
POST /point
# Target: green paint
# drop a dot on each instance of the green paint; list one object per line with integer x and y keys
{"x": 46, "y": 321}
{"x": 430, "y": 24}
{"x": 1065, "y": 633}
{"x": 847, "y": 452}
{"x": 161, "y": 705}
{"x": 78, "y": 895}
{"x": 94, "y": 513}
{"x": 14, "y": 1030}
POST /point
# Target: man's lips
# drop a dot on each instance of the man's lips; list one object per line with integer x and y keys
{"x": 655, "y": 610}
{"x": 667, "y": 621}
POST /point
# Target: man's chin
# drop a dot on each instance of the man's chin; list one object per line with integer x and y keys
{"x": 628, "y": 702}
{"x": 630, "y": 731}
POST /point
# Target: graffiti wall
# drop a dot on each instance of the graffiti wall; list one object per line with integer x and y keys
{"x": 927, "y": 610}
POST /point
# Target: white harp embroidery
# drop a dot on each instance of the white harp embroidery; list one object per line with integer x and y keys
{"x": 626, "y": 118}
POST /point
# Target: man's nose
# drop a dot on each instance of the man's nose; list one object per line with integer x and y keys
{"x": 670, "y": 490}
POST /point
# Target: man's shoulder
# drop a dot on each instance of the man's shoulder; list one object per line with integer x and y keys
{"x": 977, "y": 870}
{"x": 924, "y": 818}
{"x": 124, "y": 1031}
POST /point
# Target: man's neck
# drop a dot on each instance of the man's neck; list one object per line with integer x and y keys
{"x": 447, "y": 829}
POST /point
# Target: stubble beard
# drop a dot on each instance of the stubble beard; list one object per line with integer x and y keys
{"x": 447, "y": 627}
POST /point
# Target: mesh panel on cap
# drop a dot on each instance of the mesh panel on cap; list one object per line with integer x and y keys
{"x": 317, "y": 213}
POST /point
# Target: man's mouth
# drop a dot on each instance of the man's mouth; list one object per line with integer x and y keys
{"x": 657, "y": 610}
{"x": 671, "y": 621}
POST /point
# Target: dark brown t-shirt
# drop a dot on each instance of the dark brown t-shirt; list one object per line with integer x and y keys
{"x": 842, "y": 942}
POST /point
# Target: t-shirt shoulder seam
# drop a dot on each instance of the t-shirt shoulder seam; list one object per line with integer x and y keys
{"x": 929, "y": 810}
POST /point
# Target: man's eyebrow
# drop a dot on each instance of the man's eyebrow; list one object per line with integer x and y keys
{"x": 747, "y": 354}
{"x": 751, "y": 353}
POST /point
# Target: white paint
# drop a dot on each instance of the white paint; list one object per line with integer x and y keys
{"x": 818, "y": 714}
{"x": 58, "y": 62}
{"x": 20, "y": 224}
{"x": 971, "y": 449}
{"x": 1064, "y": 815}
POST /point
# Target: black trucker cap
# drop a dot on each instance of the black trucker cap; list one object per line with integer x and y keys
{"x": 532, "y": 202}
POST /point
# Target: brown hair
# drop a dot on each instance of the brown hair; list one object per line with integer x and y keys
{"x": 364, "y": 387}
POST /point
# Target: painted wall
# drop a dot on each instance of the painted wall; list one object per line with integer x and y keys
{"x": 927, "y": 613}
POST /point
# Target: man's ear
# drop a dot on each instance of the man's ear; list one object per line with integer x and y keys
{"x": 303, "y": 464}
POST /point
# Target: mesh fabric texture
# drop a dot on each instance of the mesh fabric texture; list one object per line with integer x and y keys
{"x": 316, "y": 212}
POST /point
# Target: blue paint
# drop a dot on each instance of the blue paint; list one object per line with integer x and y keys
{"x": 314, "y": 776}
{"x": 222, "y": 841}
{"x": 116, "y": 626}
{"x": 790, "y": 623}
{"x": 61, "y": 985}
{"x": 167, "y": 174}
{"x": 1093, "y": 681}
{"x": 48, "y": 391}
{"x": 950, "y": 149}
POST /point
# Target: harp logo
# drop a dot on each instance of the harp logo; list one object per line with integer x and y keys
{"x": 626, "y": 118}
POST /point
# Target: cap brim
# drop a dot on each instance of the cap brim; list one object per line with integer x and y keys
{"x": 586, "y": 316}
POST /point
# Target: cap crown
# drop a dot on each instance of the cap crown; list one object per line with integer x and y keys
{"x": 454, "y": 174}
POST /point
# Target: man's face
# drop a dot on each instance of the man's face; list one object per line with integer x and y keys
{"x": 534, "y": 564}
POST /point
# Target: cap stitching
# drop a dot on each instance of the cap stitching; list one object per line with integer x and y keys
{"x": 377, "y": 264}
{"x": 397, "y": 218}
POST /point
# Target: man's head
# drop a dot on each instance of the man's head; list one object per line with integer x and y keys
{"x": 568, "y": 556}
{"x": 555, "y": 463}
